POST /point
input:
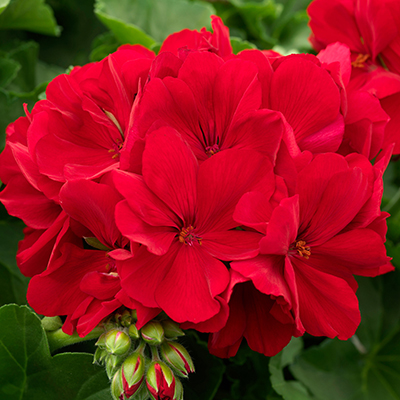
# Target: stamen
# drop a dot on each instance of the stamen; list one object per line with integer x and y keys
{"x": 187, "y": 236}
{"x": 211, "y": 150}
{"x": 302, "y": 249}
{"x": 360, "y": 60}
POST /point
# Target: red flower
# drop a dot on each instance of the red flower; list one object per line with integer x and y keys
{"x": 214, "y": 106}
{"x": 182, "y": 214}
{"x": 217, "y": 42}
{"x": 315, "y": 241}
{"x": 84, "y": 283}
{"x": 264, "y": 320}
{"x": 365, "y": 120}
{"x": 370, "y": 29}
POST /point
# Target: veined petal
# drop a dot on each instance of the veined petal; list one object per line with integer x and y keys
{"x": 328, "y": 306}
{"x": 188, "y": 290}
{"x": 158, "y": 239}
{"x": 231, "y": 245}
{"x": 170, "y": 171}
{"x": 360, "y": 250}
{"x": 222, "y": 181}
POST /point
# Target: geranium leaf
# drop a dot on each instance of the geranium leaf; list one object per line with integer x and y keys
{"x": 148, "y": 21}
{"x": 3, "y": 5}
{"x": 12, "y": 287}
{"x": 28, "y": 371}
{"x": 29, "y": 15}
{"x": 289, "y": 390}
{"x": 8, "y": 70}
{"x": 239, "y": 45}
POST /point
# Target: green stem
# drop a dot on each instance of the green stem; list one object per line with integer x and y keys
{"x": 58, "y": 338}
{"x": 154, "y": 353}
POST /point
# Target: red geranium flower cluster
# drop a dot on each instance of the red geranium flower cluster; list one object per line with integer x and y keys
{"x": 235, "y": 193}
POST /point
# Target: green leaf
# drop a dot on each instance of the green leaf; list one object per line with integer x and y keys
{"x": 367, "y": 367}
{"x": 203, "y": 384}
{"x": 8, "y": 70}
{"x": 29, "y": 15}
{"x": 27, "y": 370}
{"x": 25, "y": 54}
{"x": 103, "y": 45}
{"x": 239, "y": 45}
{"x": 12, "y": 287}
{"x": 3, "y": 5}
{"x": 289, "y": 390}
{"x": 148, "y": 21}
{"x": 11, "y": 107}
{"x": 10, "y": 234}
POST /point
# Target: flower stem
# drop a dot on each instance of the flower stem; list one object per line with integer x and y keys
{"x": 58, "y": 338}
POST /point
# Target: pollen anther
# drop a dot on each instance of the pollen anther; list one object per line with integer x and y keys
{"x": 360, "y": 60}
{"x": 187, "y": 236}
{"x": 302, "y": 249}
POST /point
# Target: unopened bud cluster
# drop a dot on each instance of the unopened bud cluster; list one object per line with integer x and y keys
{"x": 143, "y": 363}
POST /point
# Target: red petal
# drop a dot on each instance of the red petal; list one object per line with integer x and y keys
{"x": 188, "y": 291}
{"x": 306, "y": 95}
{"x": 170, "y": 171}
{"x": 328, "y": 305}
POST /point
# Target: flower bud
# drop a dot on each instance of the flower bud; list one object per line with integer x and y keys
{"x": 178, "y": 395}
{"x": 132, "y": 374}
{"x": 126, "y": 318}
{"x": 117, "y": 342}
{"x": 51, "y": 324}
{"x": 112, "y": 364}
{"x": 177, "y": 357}
{"x": 160, "y": 381}
{"x": 101, "y": 341}
{"x": 133, "y": 332}
{"x": 171, "y": 329}
{"x": 99, "y": 356}
{"x": 116, "y": 386}
{"x": 134, "y": 315}
{"x": 153, "y": 333}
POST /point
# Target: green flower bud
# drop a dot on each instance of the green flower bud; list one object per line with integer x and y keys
{"x": 153, "y": 333}
{"x": 116, "y": 386}
{"x": 178, "y": 395}
{"x": 126, "y": 318}
{"x": 51, "y": 324}
{"x": 99, "y": 356}
{"x": 133, "y": 332}
{"x": 133, "y": 374}
{"x": 112, "y": 364}
{"x": 178, "y": 358}
{"x": 171, "y": 329}
{"x": 134, "y": 315}
{"x": 101, "y": 341}
{"x": 117, "y": 342}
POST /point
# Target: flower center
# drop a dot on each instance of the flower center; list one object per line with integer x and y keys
{"x": 360, "y": 60}
{"x": 117, "y": 146}
{"x": 302, "y": 249}
{"x": 188, "y": 237}
{"x": 211, "y": 150}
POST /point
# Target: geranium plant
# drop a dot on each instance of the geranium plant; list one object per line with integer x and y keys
{"x": 186, "y": 190}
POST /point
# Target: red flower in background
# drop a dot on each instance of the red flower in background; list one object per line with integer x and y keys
{"x": 371, "y": 29}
